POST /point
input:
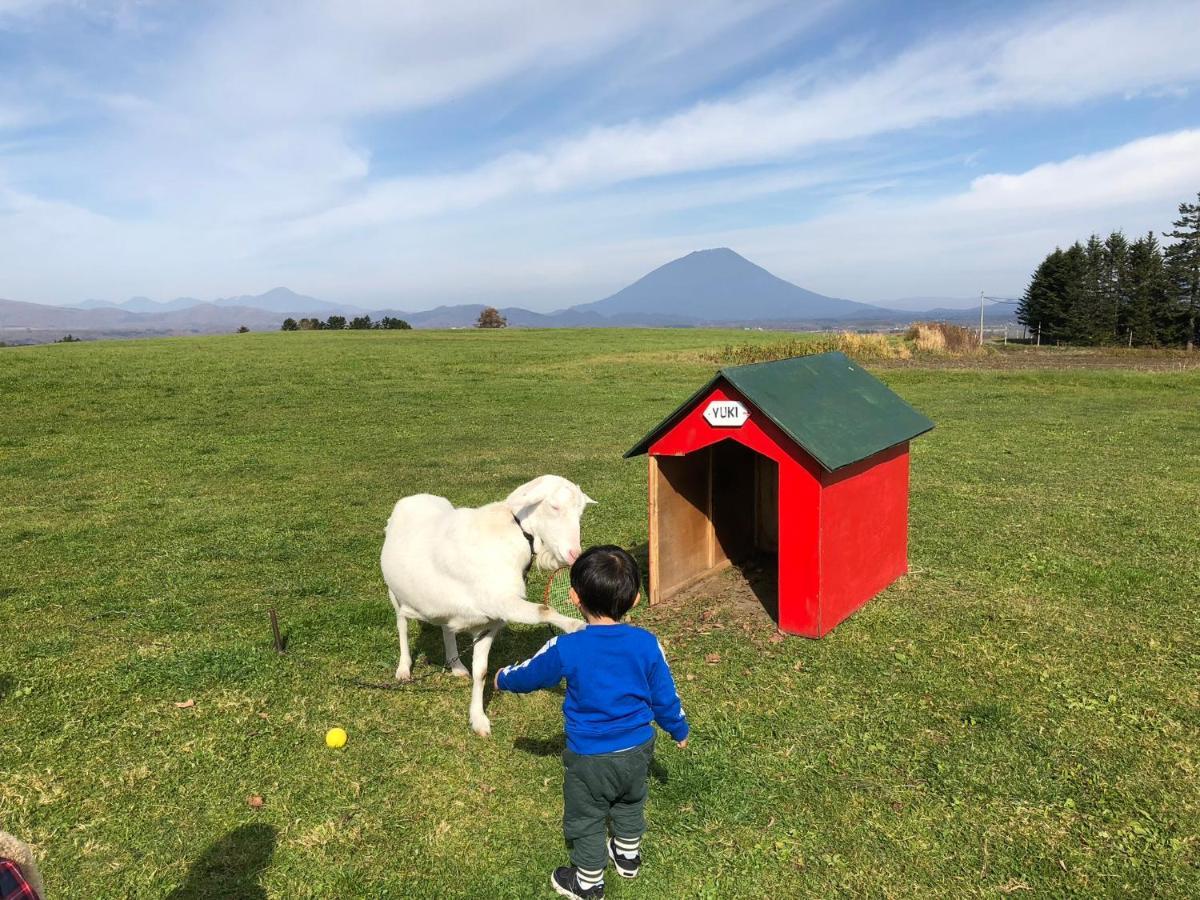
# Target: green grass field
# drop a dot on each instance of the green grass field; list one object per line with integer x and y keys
{"x": 1020, "y": 713}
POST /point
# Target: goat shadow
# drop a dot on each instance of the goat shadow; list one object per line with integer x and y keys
{"x": 513, "y": 644}
{"x": 6, "y": 684}
{"x": 232, "y": 867}
{"x": 554, "y": 746}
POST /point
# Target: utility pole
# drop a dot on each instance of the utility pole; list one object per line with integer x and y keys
{"x": 981, "y": 318}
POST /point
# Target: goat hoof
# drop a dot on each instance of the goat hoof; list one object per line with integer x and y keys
{"x": 482, "y": 728}
{"x": 459, "y": 672}
{"x": 403, "y": 674}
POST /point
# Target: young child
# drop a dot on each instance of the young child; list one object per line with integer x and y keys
{"x": 618, "y": 682}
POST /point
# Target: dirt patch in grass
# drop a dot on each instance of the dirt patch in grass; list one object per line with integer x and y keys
{"x": 744, "y": 597}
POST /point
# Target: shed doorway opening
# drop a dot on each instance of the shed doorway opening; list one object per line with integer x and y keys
{"x": 711, "y": 509}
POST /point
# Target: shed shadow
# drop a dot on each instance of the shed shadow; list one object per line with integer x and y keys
{"x": 641, "y": 555}
{"x": 232, "y": 867}
{"x": 761, "y": 574}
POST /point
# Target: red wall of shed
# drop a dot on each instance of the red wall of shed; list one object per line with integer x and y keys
{"x": 864, "y": 532}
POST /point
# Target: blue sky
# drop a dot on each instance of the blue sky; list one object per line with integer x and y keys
{"x": 545, "y": 154}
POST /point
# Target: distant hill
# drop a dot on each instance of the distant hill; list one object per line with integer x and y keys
{"x": 722, "y": 286}
{"x": 38, "y": 323}
{"x": 286, "y": 301}
{"x": 15, "y": 314}
{"x": 279, "y": 300}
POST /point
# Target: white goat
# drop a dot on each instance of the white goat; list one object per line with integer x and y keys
{"x": 464, "y": 569}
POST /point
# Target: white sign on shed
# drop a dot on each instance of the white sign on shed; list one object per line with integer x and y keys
{"x": 726, "y": 414}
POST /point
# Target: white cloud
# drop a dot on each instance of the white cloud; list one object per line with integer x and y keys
{"x": 988, "y": 237}
{"x": 314, "y": 60}
{"x": 1051, "y": 61}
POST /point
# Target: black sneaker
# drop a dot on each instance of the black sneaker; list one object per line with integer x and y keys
{"x": 565, "y": 881}
{"x": 627, "y": 867}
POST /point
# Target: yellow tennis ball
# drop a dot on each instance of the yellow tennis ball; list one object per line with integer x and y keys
{"x": 335, "y": 737}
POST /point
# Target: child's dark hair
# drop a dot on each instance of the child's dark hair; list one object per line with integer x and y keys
{"x": 607, "y": 580}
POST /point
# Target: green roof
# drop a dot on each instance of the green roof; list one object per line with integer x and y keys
{"x": 827, "y": 403}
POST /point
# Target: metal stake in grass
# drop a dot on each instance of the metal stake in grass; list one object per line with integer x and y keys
{"x": 275, "y": 630}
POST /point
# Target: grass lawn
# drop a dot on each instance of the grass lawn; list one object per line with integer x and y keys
{"x": 1020, "y": 713}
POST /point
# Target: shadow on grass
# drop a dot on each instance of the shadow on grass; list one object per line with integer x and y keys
{"x": 541, "y": 746}
{"x": 6, "y": 684}
{"x": 554, "y": 747}
{"x": 232, "y": 867}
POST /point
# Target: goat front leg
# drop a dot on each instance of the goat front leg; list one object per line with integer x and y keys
{"x": 453, "y": 662}
{"x": 480, "y": 723}
{"x": 404, "y": 668}
{"x": 525, "y": 613}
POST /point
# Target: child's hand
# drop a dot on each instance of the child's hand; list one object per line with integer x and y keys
{"x": 496, "y": 681}
{"x": 682, "y": 745}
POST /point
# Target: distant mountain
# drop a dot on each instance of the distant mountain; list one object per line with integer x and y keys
{"x": 284, "y": 300}
{"x": 17, "y": 315}
{"x": 34, "y": 322}
{"x": 707, "y": 287}
{"x": 141, "y": 304}
{"x": 923, "y": 303}
{"x": 279, "y": 300}
{"x": 722, "y": 286}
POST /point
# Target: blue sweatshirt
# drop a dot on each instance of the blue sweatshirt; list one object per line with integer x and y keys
{"x": 618, "y": 682}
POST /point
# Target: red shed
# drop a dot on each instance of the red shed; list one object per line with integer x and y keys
{"x": 801, "y": 463}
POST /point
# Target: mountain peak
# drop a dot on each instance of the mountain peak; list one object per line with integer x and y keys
{"x": 280, "y": 291}
{"x": 720, "y": 285}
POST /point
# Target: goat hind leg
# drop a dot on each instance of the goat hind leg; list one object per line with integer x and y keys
{"x": 453, "y": 662}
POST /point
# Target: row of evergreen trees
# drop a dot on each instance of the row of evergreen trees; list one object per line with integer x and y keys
{"x": 337, "y": 323}
{"x": 1111, "y": 291}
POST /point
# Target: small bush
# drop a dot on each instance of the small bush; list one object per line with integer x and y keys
{"x": 942, "y": 337}
{"x": 491, "y": 318}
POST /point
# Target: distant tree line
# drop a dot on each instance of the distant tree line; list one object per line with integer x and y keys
{"x": 339, "y": 323}
{"x": 1111, "y": 291}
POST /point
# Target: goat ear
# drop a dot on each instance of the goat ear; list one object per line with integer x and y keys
{"x": 530, "y": 493}
{"x": 587, "y": 501}
{"x": 522, "y": 508}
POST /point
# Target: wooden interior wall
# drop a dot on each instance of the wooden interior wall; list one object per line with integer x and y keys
{"x": 681, "y": 532}
{"x": 709, "y": 509}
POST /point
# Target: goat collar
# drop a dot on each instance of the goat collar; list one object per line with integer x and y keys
{"x": 528, "y": 536}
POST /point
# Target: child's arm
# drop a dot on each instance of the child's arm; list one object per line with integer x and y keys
{"x": 668, "y": 710}
{"x": 542, "y": 670}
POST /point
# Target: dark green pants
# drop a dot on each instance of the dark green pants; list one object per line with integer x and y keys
{"x": 600, "y": 788}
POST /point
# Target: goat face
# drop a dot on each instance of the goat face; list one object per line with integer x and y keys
{"x": 549, "y": 509}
